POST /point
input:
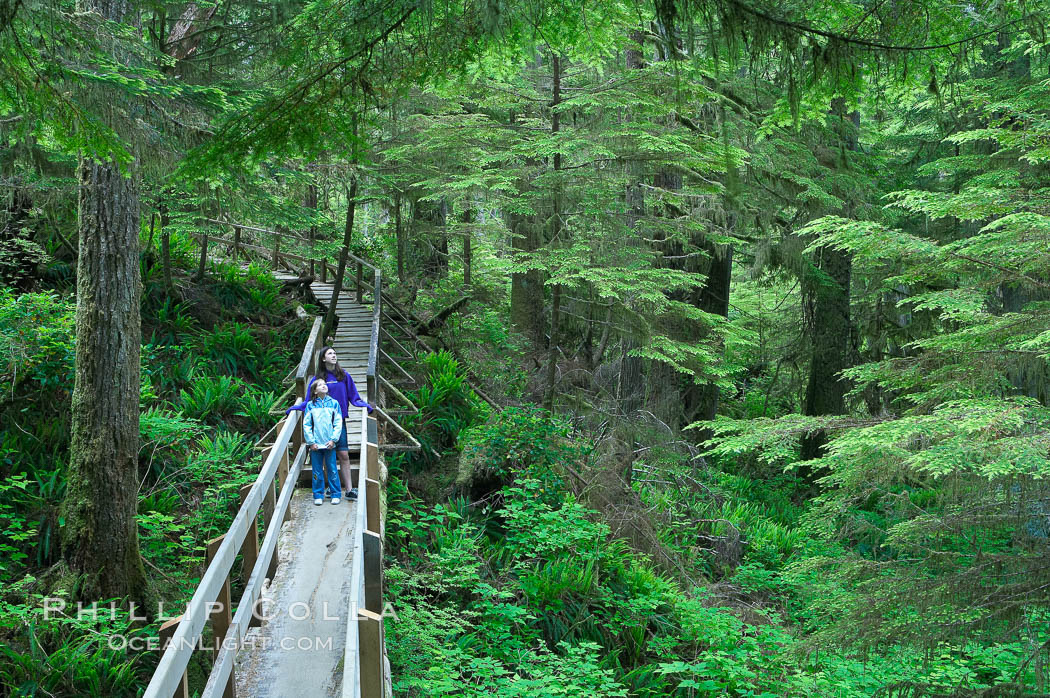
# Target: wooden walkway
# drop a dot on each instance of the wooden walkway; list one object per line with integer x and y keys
{"x": 301, "y": 650}
{"x": 316, "y": 576}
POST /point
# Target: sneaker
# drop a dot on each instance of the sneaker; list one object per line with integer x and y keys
{"x": 352, "y": 494}
{"x": 335, "y": 500}
{"x": 318, "y": 502}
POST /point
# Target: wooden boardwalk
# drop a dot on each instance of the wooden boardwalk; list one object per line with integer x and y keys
{"x": 326, "y": 561}
{"x": 300, "y": 651}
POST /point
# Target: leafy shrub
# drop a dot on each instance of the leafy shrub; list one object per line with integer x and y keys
{"x": 446, "y": 405}
{"x": 65, "y": 655}
{"x": 170, "y": 369}
{"x": 163, "y": 436}
{"x": 161, "y": 502}
{"x": 519, "y": 441}
{"x": 255, "y": 406}
{"x": 212, "y": 398}
{"x": 219, "y": 453}
{"x": 230, "y": 348}
{"x": 36, "y": 335}
{"x": 174, "y": 322}
{"x": 222, "y": 463}
{"x": 264, "y": 299}
{"x": 16, "y": 531}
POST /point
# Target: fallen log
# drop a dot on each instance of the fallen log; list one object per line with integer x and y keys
{"x": 436, "y": 322}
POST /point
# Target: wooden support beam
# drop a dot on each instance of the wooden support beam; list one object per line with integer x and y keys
{"x": 389, "y": 358}
{"x": 165, "y": 633}
{"x": 397, "y": 393}
{"x": 250, "y": 546}
{"x": 268, "y": 505}
{"x": 282, "y": 475}
{"x": 370, "y": 653}
{"x": 222, "y": 616}
{"x": 372, "y": 497}
{"x": 372, "y": 452}
{"x": 373, "y": 550}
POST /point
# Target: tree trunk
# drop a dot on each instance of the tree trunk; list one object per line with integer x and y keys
{"x": 830, "y": 333}
{"x": 552, "y": 355}
{"x": 468, "y": 219}
{"x": 828, "y": 305}
{"x": 337, "y": 283}
{"x": 430, "y": 218}
{"x": 165, "y": 247}
{"x": 526, "y": 289}
{"x": 100, "y": 538}
{"x": 701, "y": 401}
{"x": 399, "y": 235}
{"x": 629, "y": 380}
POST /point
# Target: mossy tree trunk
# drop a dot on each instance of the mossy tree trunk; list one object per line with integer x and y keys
{"x": 526, "y": 287}
{"x": 827, "y": 287}
{"x": 100, "y": 537}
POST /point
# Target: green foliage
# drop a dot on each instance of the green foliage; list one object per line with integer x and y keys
{"x": 256, "y": 406}
{"x": 518, "y": 443}
{"x": 36, "y": 336}
{"x": 174, "y": 323}
{"x": 68, "y": 657}
{"x": 231, "y": 348}
{"x": 446, "y": 405}
{"x": 16, "y": 531}
{"x": 212, "y": 398}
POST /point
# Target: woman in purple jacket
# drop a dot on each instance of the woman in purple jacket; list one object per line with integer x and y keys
{"x": 341, "y": 388}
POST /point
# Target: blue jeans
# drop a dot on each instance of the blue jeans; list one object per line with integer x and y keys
{"x": 322, "y": 464}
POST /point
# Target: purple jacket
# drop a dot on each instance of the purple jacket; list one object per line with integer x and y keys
{"x": 343, "y": 392}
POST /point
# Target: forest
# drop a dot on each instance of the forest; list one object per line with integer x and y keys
{"x": 734, "y": 369}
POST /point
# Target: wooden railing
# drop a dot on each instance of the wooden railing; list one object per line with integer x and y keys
{"x": 211, "y": 603}
{"x": 364, "y": 673}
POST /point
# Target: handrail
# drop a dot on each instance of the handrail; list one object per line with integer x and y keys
{"x": 373, "y": 343}
{"x": 172, "y": 666}
{"x": 243, "y": 226}
{"x": 222, "y": 667}
{"x": 352, "y": 652}
{"x": 307, "y": 363}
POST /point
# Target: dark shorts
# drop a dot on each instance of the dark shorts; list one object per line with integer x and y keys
{"x": 342, "y": 445}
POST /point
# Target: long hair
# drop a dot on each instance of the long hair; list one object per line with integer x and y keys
{"x": 340, "y": 372}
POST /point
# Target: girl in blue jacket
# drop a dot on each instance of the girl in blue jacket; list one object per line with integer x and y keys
{"x": 322, "y": 427}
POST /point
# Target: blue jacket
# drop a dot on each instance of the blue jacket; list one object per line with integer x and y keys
{"x": 343, "y": 392}
{"x": 323, "y": 421}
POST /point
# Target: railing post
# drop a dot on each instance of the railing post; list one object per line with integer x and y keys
{"x": 250, "y": 546}
{"x": 373, "y": 571}
{"x": 269, "y": 505}
{"x": 204, "y": 257}
{"x": 222, "y": 617}
{"x": 370, "y": 653}
{"x": 165, "y": 633}
{"x": 360, "y": 285}
{"x": 324, "y": 271}
{"x": 372, "y": 497}
{"x": 282, "y": 470}
{"x": 236, "y": 242}
{"x": 372, "y": 448}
